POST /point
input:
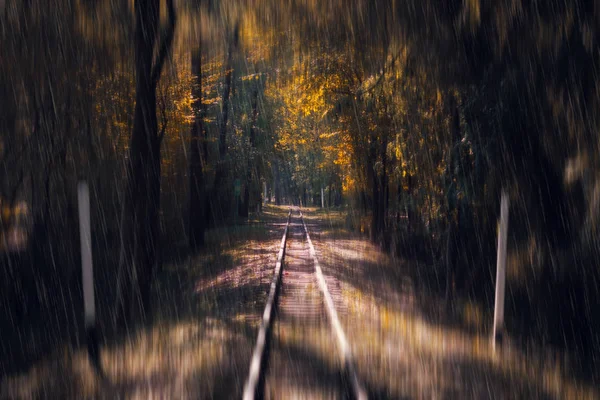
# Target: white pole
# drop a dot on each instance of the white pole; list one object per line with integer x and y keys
{"x": 83, "y": 196}
{"x": 87, "y": 270}
{"x": 501, "y": 270}
{"x": 322, "y": 198}
{"x": 265, "y": 200}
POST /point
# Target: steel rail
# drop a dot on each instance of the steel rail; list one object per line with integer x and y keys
{"x": 254, "y": 386}
{"x": 358, "y": 389}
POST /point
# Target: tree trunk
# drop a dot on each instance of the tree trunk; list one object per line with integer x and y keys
{"x": 452, "y": 199}
{"x": 246, "y": 203}
{"x": 375, "y": 189}
{"x": 383, "y": 188}
{"x": 364, "y": 201}
{"x": 141, "y": 203}
{"x": 304, "y": 196}
{"x": 277, "y": 185}
{"x": 225, "y": 100}
{"x": 197, "y": 192}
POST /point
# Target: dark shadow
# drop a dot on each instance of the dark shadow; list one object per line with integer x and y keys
{"x": 33, "y": 330}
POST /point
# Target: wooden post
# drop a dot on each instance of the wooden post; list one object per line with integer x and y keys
{"x": 501, "y": 271}
{"x": 83, "y": 197}
{"x": 322, "y": 198}
{"x": 265, "y": 199}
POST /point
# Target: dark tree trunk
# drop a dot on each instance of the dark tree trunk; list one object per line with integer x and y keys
{"x": 197, "y": 185}
{"x": 225, "y": 103}
{"x": 244, "y": 211}
{"x": 452, "y": 199}
{"x": 376, "y": 190}
{"x": 140, "y": 217}
{"x": 364, "y": 201}
{"x": 276, "y": 184}
{"x": 304, "y": 196}
{"x": 383, "y": 187}
{"x": 220, "y": 170}
{"x": 398, "y": 202}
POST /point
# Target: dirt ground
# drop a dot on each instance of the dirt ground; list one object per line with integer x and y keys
{"x": 405, "y": 348}
{"x": 208, "y": 310}
{"x": 207, "y": 307}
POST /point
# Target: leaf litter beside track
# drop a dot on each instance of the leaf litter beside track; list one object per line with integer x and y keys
{"x": 403, "y": 349}
{"x": 207, "y": 312}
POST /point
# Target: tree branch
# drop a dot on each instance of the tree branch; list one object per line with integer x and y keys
{"x": 165, "y": 43}
{"x": 380, "y": 78}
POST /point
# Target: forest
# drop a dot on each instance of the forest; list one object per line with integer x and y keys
{"x": 406, "y": 119}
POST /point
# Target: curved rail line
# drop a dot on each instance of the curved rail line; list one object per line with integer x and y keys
{"x": 254, "y": 386}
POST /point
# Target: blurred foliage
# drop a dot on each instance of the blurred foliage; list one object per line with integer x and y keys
{"x": 415, "y": 113}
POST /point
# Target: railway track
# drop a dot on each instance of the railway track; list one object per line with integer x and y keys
{"x": 301, "y": 350}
